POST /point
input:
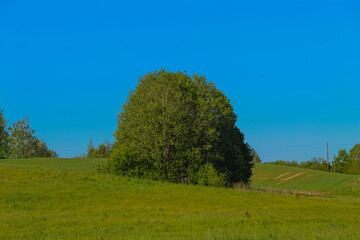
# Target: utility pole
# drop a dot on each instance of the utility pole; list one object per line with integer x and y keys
{"x": 327, "y": 150}
{"x": 334, "y": 162}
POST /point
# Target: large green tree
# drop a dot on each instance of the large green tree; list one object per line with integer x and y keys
{"x": 4, "y": 136}
{"x": 172, "y": 125}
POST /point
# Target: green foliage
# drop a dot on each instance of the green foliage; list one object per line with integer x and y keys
{"x": 103, "y": 167}
{"x": 24, "y": 144}
{"x": 208, "y": 176}
{"x": 4, "y": 137}
{"x": 172, "y": 124}
{"x": 292, "y": 163}
{"x": 354, "y": 153}
{"x": 314, "y": 164}
{"x": 22, "y": 140}
{"x": 342, "y": 162}
{"x": 103, "y": 151}
{"x": 255, "y": 156}
{"x": 91, "y": 151}
{"x": 348, "y": 162}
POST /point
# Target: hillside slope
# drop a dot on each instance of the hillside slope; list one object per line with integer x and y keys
{"x": 292, "y": 178}
{"x": 266, "y": 176}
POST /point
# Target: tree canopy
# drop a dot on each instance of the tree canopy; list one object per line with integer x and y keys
{"x": 342, "y": 161}
{"x": 24, "y": 144}
{"x": 354, "y": 154}
{"x": 103, "y": 150}
{"x": 174, "y": 127}
{"x": 348, "y": 162}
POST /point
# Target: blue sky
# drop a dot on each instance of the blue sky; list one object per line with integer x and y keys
{"x": 290, "y": 68}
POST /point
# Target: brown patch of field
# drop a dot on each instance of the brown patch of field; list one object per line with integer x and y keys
{"x": 282, "y": 175}
{"x": 298, "y": 174}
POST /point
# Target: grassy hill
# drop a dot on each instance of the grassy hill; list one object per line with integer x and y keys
{"x": 76, "y": 164}
{"x": 51, "y": 204}
{"x": 266, "y": 176}
{"x": 292, "y": 178}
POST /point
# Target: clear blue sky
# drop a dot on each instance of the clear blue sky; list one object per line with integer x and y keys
{"x": 68, "y": 65}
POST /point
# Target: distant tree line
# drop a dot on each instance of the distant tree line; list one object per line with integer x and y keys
{"x": 314, "y": 164}
{"x": 345, "y": 162}
{"x": 102, "y": 151}
{"x": 19, "y": 141}
{"x": 348, "y": 162}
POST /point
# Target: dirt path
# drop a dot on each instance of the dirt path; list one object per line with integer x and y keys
{"x": 282, "y": 175}
{"x": 298, "y": 174}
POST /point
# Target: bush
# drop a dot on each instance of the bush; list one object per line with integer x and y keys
{"x": 103, "y": 167}
{"x": 208, "y": 176}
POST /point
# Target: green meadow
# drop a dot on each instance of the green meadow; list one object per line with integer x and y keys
{"x": 269, "y": 176}
{"x": 40, "y": 200}
{"x": 76, "y": 164}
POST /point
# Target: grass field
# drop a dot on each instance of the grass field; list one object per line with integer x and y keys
{"x": 77, "y": 164}
{"x": 40, "y": 203}
{"x": 46, "y": 204}
{"x": 266, "y": 176}
{"x": 292, "y": 178}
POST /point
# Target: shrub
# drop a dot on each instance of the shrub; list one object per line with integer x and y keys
{"x": 208, "y": 176}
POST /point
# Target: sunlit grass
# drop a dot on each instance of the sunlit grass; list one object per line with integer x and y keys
{"x": 52, "y": 204}
{"x": 274, "y": 176}
{"x": 78, "y": 164}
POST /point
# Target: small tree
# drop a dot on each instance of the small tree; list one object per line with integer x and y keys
{"x": 255, "y": 156}
{"x": 24, "y": 144}
{"x": 91, "y": 151}
{"x": 22, "y": 140}
{"x": 4, "y": 137}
